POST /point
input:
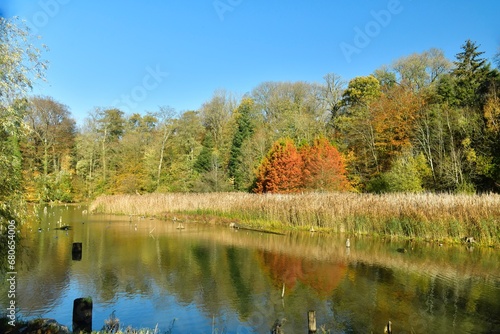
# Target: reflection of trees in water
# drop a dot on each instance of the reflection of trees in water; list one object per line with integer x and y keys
{"x": 371, "y": 295}
{"x": 221, "y": 271}
{"x": 242, "y": 288}
{"x": 41, "y": 264}
{"x": 322, "y": 277}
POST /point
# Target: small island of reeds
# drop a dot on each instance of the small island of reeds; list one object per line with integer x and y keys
{"x": 443, "y": 217}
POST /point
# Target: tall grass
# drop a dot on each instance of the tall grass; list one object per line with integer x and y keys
{"x": 430, "y": 216}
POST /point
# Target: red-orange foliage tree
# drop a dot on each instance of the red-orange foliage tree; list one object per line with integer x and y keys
{"x": 287, "y": 170}
{"x": 281, "y": 170}
{"x": 324, "y": 167}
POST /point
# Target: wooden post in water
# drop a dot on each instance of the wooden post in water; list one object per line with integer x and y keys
{"x": 388, "y": 328}
{"x": 76, "y": 252}
{"x": 311, "y": 316}
{"x": 82, "y": 315}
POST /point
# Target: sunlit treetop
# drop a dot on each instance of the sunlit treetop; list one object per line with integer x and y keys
{"x": 20, "y": 61}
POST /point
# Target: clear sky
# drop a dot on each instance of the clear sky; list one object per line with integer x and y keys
{"x": 139, "y": 55}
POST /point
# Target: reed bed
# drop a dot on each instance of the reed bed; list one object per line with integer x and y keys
{"x": 427, "y": 216}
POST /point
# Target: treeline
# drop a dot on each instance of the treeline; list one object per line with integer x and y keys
{"x": 424, "y": 123}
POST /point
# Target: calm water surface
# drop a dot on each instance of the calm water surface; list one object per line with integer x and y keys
{"x": 211, "y": 279}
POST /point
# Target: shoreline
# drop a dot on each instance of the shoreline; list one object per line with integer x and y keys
{"x": 427, "y": 217}
{"x": 49, "y": 325}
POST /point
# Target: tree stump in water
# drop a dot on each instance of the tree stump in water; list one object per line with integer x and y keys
{"x": 311, "y": 320}
{"x": 82, "y": 315}
{"x": 76, "y": 252}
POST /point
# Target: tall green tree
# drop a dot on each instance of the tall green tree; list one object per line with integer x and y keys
{"x": 88, "y": 157}
{"x": 470, "y": 72}
{"x": 130, "y": 172}
{"x": 20, "y": 66}
{"x": 245, "y": 124}
{"x": 179, "y": 173}
{"x": 110, "y": 127}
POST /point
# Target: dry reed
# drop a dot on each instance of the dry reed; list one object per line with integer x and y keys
{"x": 429, "y": 216}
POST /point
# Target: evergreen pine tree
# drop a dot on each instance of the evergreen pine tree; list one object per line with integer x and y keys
{"x": 244, "y": 130}
{"x": 470, "y": 73}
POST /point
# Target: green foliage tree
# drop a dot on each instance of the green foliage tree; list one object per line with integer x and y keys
{"x": 293, "y": 110}
{"x": 48, "y": 149}
{"x": 245, "y": 128}
{"x": 496, "y": 58}
{"x": 361, "y": 91}
{"x": 88, "y": 157}
{"x": 415, "y": 125}
{"x": 130, "y": 170}
{"x": 181, "y": 154}
{"x": 20, "y": 66}
{"x": 386, "y": 77}
{"x": 470, "y": 73}
{"x": 419, "y": 71}
{"x": 166, "y": 116}
{"x": 110, "y": 128}
{"x": 407, "y": 174}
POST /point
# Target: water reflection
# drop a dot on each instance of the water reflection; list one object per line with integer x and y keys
{"x": 208, "y": 278}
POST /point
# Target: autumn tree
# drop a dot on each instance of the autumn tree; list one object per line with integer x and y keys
{"x": 466, "y": 92}
{"x": 492, "y": 117}
{"x": 48, "y": 148}
{"x": 377, "y": 126}
{"x": 20, "y": 66}
{"x": 324, "y": 168}
{"x": 357, "y": 124}
{"x": 281, "y": 170}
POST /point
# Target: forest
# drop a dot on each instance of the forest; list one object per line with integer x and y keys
{"x": 423, "y": 123}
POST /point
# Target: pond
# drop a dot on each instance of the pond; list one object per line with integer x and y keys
{"x": 212, "y": 279}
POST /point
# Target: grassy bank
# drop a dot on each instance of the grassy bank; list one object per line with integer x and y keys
{"x": 428, "y": 216}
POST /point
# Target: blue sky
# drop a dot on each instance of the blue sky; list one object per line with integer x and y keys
{"x": 139, "y": 55}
